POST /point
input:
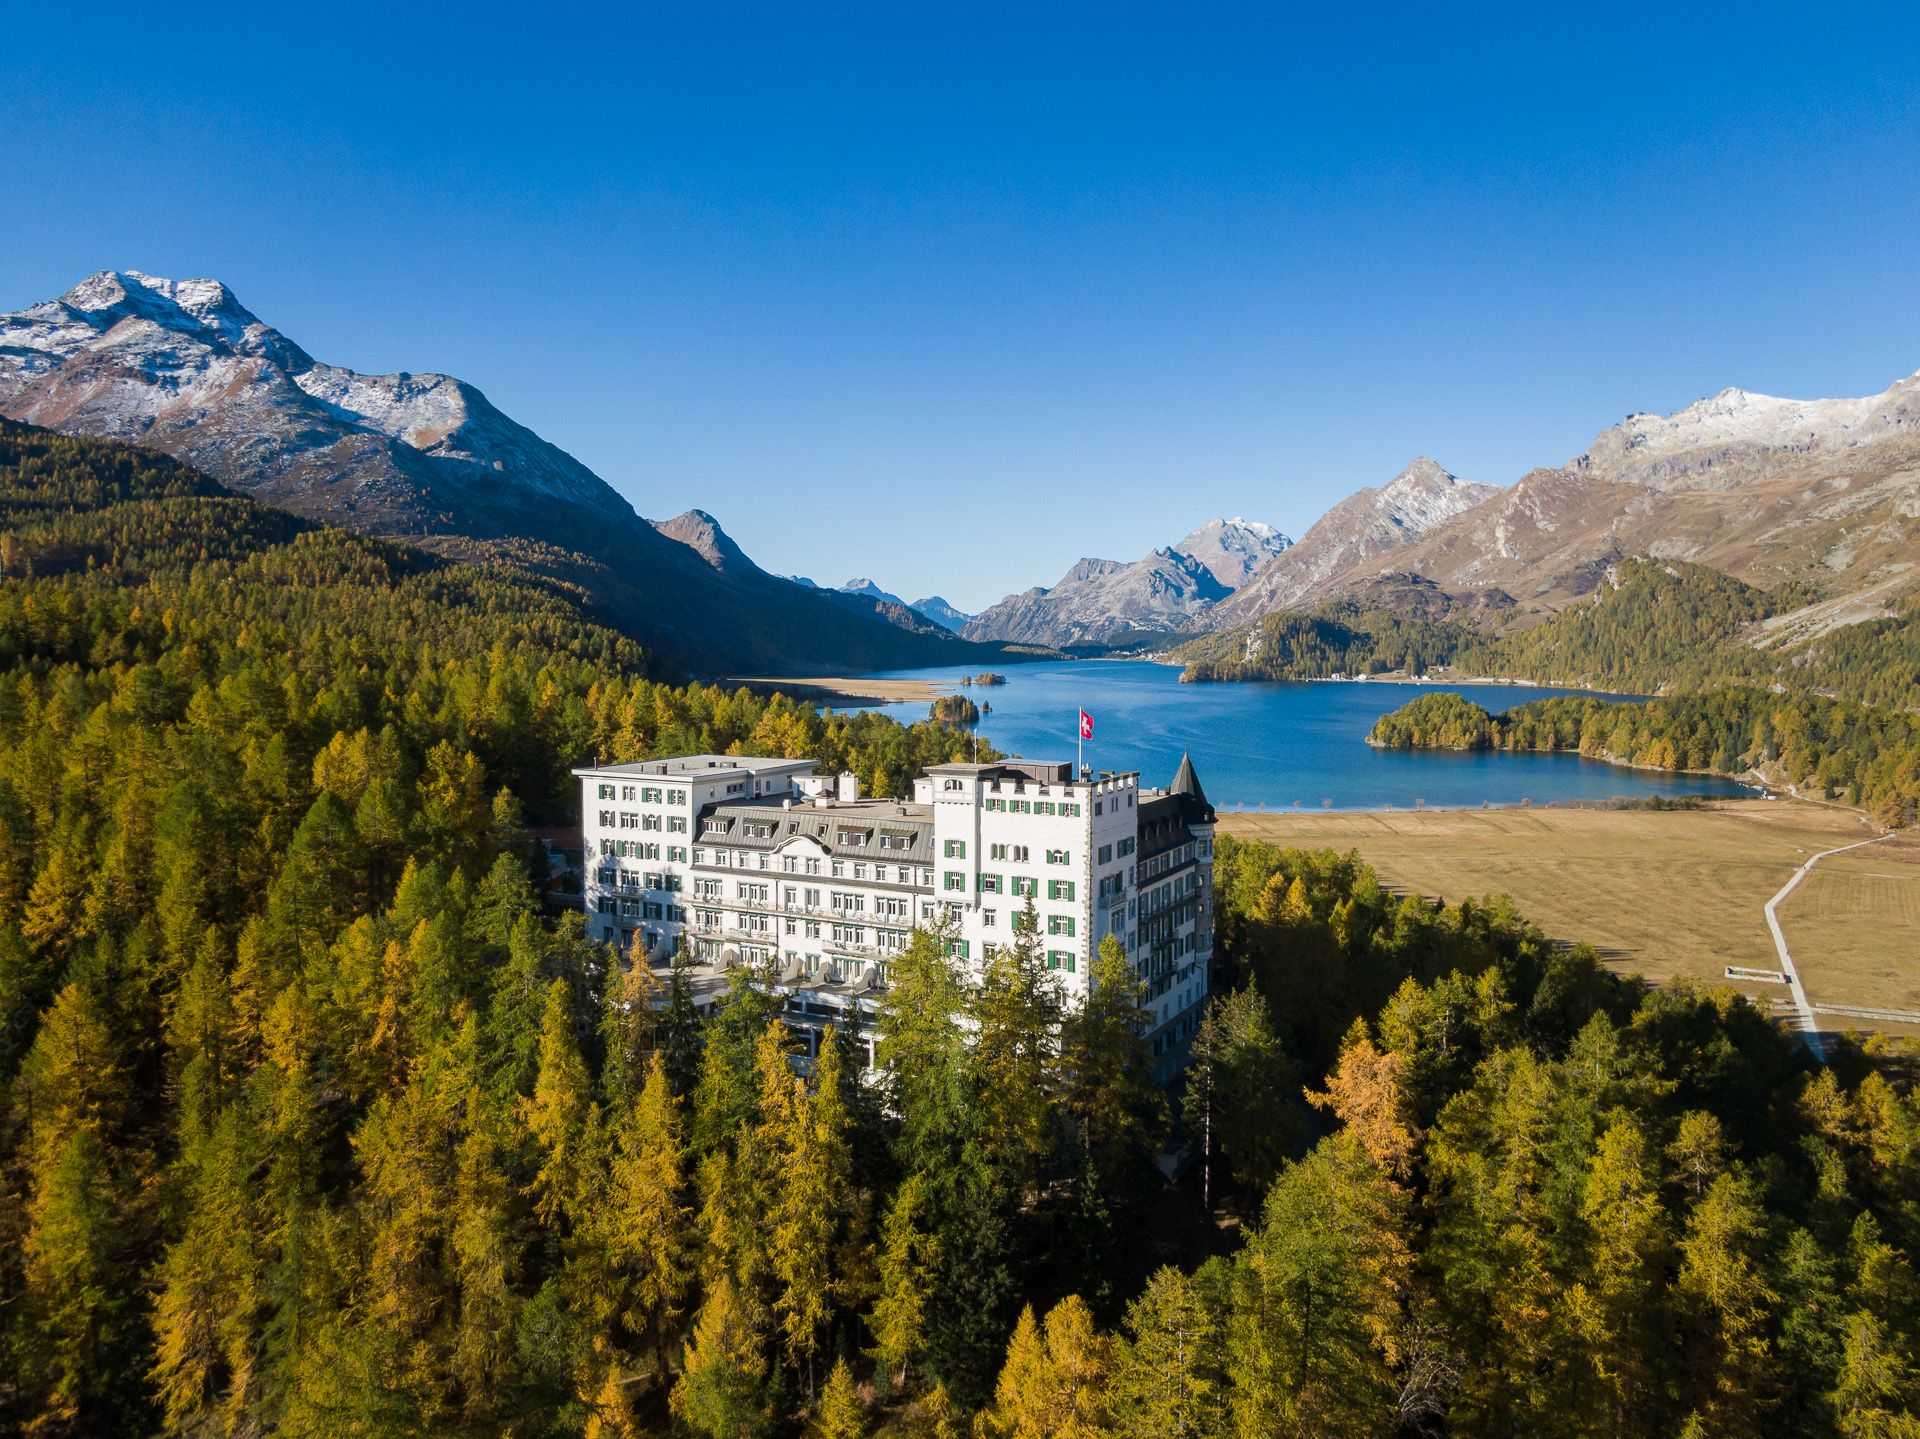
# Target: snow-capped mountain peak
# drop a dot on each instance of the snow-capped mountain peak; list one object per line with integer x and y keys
{"x": 1235, "y": 550}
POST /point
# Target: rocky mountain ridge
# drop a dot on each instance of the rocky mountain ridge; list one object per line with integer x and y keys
{"x": 1100, "y": 601}
{"x": 184, "y": 367}
{"x": 1234, "y": 550}
{"x": 1361, "y": 533}
{"x": 1764, "y": 489}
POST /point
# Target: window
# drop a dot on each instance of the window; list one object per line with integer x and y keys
{"x": 995, "y": 804}
{"x": 954, "y": 784}
{"x": 606, "y": 792}
{"x": 1058, "y": 856}
{"x": 753, "y": 892}
{"x": 1070, "y": 811}
{"x": 891, "y": 939}
{"x": 626, "y": 792}
{"x": 1059, "y": 889}
{"x": 813, "y": 866}
{"x": 1060, "y": 959}
{"x": 998, "y": 851}
{"x": 956, "y": 880}
{"x": 676, "y": 796}
{"x": 629, "y": 819}
{"x": 789, "y": 864}
{"x": 706, "y": 889}
{"x": 956, "y": 849}
{"x": 792, "y": 897}
{"x": 813, "y": 899}
{"x": 1017, "y": 853}
{"x": 649, "y": 796}
{"x": 1059, "y": 924}
{"x": 849, "y": 902}
{"x": 1099, "y": 807}
{"x": 755, "y": 923}
{"x": 990, "y": 884}
{"x": 1025, "y": 886}
{"x": 606, "y": 819}
{"x": 676, "y": 824}
{"x": 1127, "y": 845}
{"x": 849, "y": 934}
{"x": 1106, "y": 854}
{"x": 859, "y": 871}
{"x": 1042, "y": 807}
{"x": 813, "y": 929}
{"x": 650, "y": 821}
{"x": 988, "y": 918}
{"x": 890, "y": 907}
{"x": 742, "y": 859}
{"x": 957, "y": 948}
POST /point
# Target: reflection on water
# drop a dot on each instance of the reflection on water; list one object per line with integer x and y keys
{"x": 1275, "y": 744}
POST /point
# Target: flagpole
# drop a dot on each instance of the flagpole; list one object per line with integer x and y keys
{"x": 1079, "y": 744}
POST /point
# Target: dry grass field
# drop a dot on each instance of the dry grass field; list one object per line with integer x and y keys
{"x": 1664, "y": 893}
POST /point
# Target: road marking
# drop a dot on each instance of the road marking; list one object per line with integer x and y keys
{"x": 1812, "y": 1030}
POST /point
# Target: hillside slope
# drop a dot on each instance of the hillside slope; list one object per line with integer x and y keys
{"x": 1765, "y": 489}
{"x": 184, "y": 367}
{"x": 1353, "y": 539}
{"x": 1100, "y": 600}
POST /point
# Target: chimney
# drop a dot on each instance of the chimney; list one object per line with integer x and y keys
{"x": 849, "y": 787}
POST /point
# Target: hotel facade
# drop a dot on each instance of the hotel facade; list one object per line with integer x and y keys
{"x": 761, "y": 862}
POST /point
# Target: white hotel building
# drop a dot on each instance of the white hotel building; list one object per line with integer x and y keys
{"x": 751, "y": 860}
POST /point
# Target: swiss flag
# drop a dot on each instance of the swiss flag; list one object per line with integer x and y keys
{"x": 1086, "y": 725}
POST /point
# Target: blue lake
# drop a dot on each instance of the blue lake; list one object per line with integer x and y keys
{"x": 1273, "y": 744}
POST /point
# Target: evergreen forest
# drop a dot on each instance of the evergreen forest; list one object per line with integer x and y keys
{"x": 1653, "y": 626}
{"x": 319, "y": 1120}
{"x": 1867, "y": 757}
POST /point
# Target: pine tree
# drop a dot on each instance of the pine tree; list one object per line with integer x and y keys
{"x": 561, "y": 1116}
{"x": 841, "y": 1415}
{"x": 1728, "y": 1376}
{"x": 908, "y": 1270}
{"x": 1316, "y": 1297}
{"x": 646, "y": 1229}
{"x": 809, "y": 1187}
{"x": 57, "y": 904}
{"x": 1167, "y": 1383}
{"x": 1367, "y": 1095}
{"x": 1054, "y": 1382}
{"x": 1015, "y": 1011}
{"x": 723, "y": 1391}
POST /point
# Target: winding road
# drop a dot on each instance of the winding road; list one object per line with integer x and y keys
{"x": 1808, "y": 1022}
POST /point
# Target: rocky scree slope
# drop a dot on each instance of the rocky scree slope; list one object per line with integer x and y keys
{"x": 184, "y": 367}
{"x": 1362, "y": 534}
{"x": 1098, "y": 601}
{"x": 1768, "y": 490}
{"x": 1234, "y": 550}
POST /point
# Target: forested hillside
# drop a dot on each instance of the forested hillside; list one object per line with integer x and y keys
{"x": 1864, "y": 756}
{"x": 262, "y": 789}
{"x": 1657, "y": 626}
{"x": 1340, "y": 638}
{"x": 315, "y": 1124}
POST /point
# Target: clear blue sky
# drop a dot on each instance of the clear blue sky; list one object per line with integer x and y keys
{"x": 952, "y": 295}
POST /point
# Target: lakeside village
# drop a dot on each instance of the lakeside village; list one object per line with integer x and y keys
{"x": 760, "y": 862}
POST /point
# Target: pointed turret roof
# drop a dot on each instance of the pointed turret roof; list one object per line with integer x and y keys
{"x": 1187, "y": 783}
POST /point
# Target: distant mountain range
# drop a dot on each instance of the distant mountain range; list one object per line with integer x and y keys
{"x": 1821, "y": 491}
{"x": 184, "y": 367}
{"x": 858, "y": 593}
{"x": 1170, "y": 590}
{"x": 1826, "y": 492}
